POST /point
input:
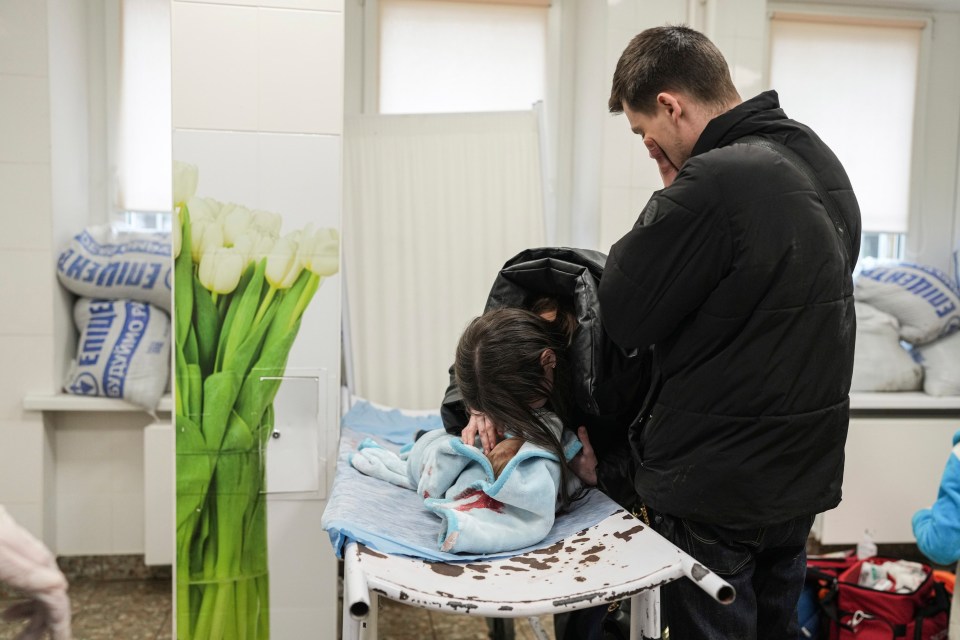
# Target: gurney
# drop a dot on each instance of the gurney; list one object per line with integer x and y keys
{"x": 596, "y": 553}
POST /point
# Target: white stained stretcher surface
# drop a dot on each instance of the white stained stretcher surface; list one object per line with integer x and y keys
{"x": 615, "y": 557}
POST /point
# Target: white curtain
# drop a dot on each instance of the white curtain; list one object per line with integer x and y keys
{"x": 433, "y": 206}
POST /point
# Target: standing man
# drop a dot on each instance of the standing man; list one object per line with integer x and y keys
{"x": 739, "y": 272}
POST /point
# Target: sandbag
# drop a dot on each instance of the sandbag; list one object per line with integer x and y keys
{"x": 879, "y": 362}
{"x": 941, "y": 365}
{"x": 925, "y": 300}
{"x": 123, "y": 351}
{"x": 102, "y": 262}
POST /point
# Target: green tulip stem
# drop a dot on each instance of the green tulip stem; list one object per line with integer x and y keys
{"x": 267, "y": 299}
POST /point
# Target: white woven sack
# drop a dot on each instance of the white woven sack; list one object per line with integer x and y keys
{"x": 123, "y": 351}
{"x": 925, "y": 300}
{"x": 102, "y": 262}
{"x": 879, "y": 362}
{"x": 941, "y": 365}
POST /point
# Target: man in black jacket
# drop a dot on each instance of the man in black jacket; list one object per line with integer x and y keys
{"x": 739, "y": 272}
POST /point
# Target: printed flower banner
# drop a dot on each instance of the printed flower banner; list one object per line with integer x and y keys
{"x": 240, "y": 291}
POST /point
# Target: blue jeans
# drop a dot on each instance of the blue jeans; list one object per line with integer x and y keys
{"x": 766, "y": 565}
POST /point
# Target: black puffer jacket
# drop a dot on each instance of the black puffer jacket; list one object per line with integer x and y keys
{"x": 737, "y": 276}
{"x": 609, "y": 384}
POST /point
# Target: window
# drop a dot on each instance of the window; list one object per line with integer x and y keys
{"x": 437, "y": 56}
{"x": 143, "y": 138}
{"x": 855, "y": 83}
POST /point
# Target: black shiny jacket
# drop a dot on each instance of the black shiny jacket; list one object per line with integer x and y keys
{"x": 609, "y": 384}
{"x": 738, "y": 276}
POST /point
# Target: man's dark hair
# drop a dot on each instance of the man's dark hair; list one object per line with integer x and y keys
{"x": 670, "y": 58}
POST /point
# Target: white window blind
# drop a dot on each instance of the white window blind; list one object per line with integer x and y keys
{"x": 855, "y": 84}
{"x": 450, "y": 57}
{"x": 144, "y": 145}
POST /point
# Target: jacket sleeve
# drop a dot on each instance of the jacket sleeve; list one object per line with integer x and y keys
{"x": 667, "y": 265}
{"x": 452, "y": 412}
{"x": 938, "y": 529}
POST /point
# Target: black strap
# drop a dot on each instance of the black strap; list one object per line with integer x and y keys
{"x": 804, "y": 167}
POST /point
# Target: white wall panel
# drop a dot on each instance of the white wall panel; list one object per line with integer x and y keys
{"x": 300, "y": 56}
{"x": 24, "y": 119}
{"x": 215, "y": 62}
{"x": 23, "y": 39}
{"x": 25, "y": 192}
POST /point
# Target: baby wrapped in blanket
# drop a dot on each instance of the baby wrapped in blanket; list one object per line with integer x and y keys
{"x": 510, "y": 366}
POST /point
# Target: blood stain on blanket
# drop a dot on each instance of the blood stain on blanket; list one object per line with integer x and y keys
{"x": 626, "y": 535}
{"x": 477, "y": 499}
{"x": 446, "y": 569}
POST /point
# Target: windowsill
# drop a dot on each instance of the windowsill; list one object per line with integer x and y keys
{"x": 902, "y": 401}
{"x": 68, "y": 402}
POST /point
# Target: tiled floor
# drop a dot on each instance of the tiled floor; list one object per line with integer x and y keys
{"x": 113, "y": 609}
{"x": 402, "y": 622}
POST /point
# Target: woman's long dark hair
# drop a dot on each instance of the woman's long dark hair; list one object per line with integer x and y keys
{"x": 499, "y": 371}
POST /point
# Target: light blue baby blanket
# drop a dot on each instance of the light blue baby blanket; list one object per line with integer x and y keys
{"x": 391, "y": 519}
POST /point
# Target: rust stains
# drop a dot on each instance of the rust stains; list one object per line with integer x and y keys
{"x": 579, "y": 578}
{"x": 404, "y": 596}
{"x": 480, "y": 568}
{"x": 578, "y": 540}
{"x": 589, "y": 559}
{"x": 699, "y": 572}
{"x": 626, "y": 535}
{"x": 534, "y": 563}
{"x": 586, "y": 597}
{"x": 597, "y": 548}
{"x": 507, "y": 567}
{"x": 444, "y": 594}
{"x": 505, "y": 607}
{"x": 370, "y": 552}
{"x": 444, "y": 569}
{"x": 546, "y": 551}
{"x": 479, "y": 577}
{"x": 456, "y": 604}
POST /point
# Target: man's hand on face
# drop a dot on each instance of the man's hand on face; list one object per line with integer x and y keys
{"x": 668, "y": 171}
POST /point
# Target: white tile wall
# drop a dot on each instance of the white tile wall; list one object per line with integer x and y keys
{"x": 215, "y": 50}
{"x": 315, "y": 5}
{"x": 301, "y": 69}
{"x": 19, "y": 474}
{"x": 100, "y": 477}
{"x": 25, "y": 191}
{"x": 24, "y": 119}
{"x": 26, "y": 369}
{"x": 23, "y": 37}
{"x": 26, "y": 285}
{"x": 227, "y": 163}
{"x": 257, "y": 69}
{"x": 25, "y": 194}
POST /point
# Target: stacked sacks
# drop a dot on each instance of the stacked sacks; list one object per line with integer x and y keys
{"x": 879, "y": 362}
{"x": 124, "y": 283}
{"x": 926, "y": 305}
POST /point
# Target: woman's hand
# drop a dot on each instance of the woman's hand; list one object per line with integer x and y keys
{"x": 584, "y": 464}
{"x": 483, "y": 426}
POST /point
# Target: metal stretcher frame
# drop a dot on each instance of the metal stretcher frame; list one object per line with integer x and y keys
{"x": 617, "y": 558}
